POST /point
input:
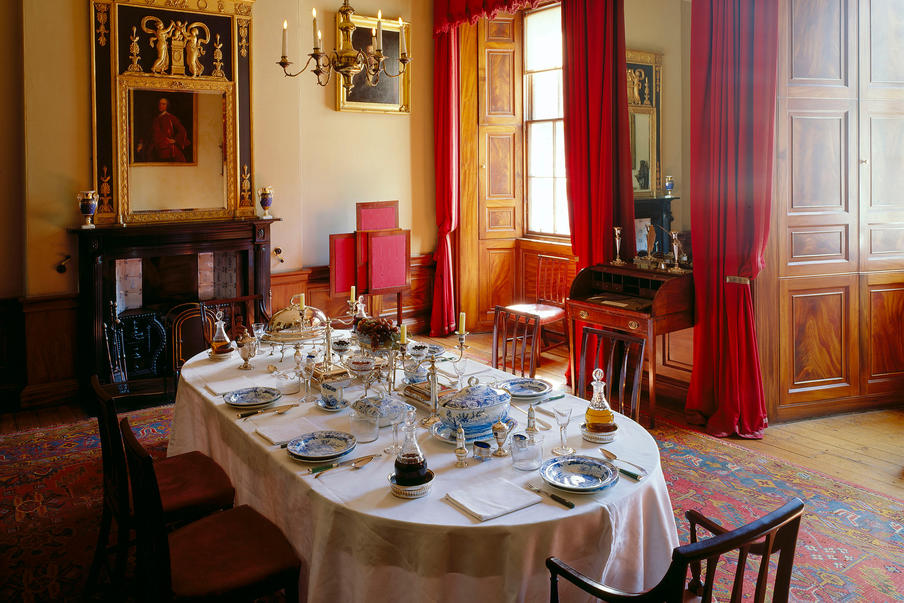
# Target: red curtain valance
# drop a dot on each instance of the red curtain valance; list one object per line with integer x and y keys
{"x": 452, "y": 13}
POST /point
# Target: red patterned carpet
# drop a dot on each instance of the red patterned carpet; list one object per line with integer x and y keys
{"x": 851, "y": 546}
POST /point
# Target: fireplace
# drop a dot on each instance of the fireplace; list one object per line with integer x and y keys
{"x": 137, "y": 275}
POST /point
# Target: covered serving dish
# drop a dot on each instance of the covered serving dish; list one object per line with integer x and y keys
{"x": 296, "y": 322}
{"x": 475, "y": 408}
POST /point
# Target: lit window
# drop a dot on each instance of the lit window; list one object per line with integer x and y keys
{"x": 547, "y": 197}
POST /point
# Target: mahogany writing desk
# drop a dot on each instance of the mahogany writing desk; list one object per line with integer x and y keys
{"x": 646, "y": 303}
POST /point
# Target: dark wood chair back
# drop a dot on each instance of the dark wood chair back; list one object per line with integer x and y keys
{"x": 115, "y": 474}
{"x": 152, "y": 545}
{"x": 238, "y": 313}
{"x": 623, "y": 357}
{"x": 554, "y": 276}
{"x": 514, "y": 341}
{"x": 763, "y": 537}
{"x": 188, "y": 334}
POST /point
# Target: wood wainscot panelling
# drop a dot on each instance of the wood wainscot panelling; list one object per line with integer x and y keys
{"x": 497, "y": 264}
{"x": 675, "y": 359}
{"x": 314, "y": 282}
{"x": 12, "y": 358}
{"x": 50, "y": 350}
{"x": 882, "y": 325}
{"x": 819, "y": 327}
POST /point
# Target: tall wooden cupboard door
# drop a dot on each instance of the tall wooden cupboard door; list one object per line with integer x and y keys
{"x": 835, "y": 262}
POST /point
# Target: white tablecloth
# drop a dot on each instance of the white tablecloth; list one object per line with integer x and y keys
{"x": 360, "y": 543}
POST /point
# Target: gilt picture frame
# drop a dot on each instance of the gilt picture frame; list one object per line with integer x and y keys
{"x": 391, "y": 94}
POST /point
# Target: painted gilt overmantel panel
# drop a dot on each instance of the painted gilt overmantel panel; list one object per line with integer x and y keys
{"x": 171, "y": 107}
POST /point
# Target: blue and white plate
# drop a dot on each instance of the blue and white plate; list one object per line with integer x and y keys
{"x": 332, "y": 405}
{"x": 446, "y": 433}
{"x": 321, "y": 445}
{"x": 251, "y": 397}
{"x": 579, "y": 474}
{"x": 527, "y": 389}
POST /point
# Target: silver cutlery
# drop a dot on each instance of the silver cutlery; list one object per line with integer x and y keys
{"x": 613, "y": 457}
{"x": 276, "y": 409}
{"x": 355, "y": 463}
{"x": 562, "y": 501}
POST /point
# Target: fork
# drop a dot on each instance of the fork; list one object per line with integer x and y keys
{"x": 562, "y": 501}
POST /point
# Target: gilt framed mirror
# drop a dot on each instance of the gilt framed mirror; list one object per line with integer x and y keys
{"x": 171, "y": 101}
{"x": 644, "y": 74}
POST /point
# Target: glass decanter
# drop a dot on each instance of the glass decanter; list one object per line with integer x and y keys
{"x": 599, "y": 416}
{"x": 220, "y": 342}
{"x": 410, "y": 464}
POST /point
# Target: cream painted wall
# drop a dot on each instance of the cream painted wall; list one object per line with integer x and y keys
{"x": 659, "y": 26}
{"x": 11, "y": 226}
{"x": 318, "y": 161}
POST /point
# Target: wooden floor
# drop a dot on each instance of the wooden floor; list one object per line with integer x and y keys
{"x": 864, "y": 448}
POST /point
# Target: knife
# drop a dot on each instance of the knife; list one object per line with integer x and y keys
{"x": 562, "y": 501}
{"x": 632, "y": 474}
{"x": 278, "y": 409}
{"x": 314, "y": 470}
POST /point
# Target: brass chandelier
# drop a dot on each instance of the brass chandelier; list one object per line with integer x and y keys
{"x": 347, "y": 61}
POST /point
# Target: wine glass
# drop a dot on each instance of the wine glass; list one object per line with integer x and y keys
{"x": 259, "y": 328}
{"x": 563, "y": 415}
{"x": 307, "y": 372}
{"x": 459, "y": 366}
{"x": 395, "y": 419}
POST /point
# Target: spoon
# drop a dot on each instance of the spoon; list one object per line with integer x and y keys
{"x": 612, "y": 457}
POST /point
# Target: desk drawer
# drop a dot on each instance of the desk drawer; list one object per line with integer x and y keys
{"x": 595, "y": 315}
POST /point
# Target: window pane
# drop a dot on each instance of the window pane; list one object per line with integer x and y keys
{"x": 560, "y": 149}
{"x": 561, "y": 207}
{"x": 541, "y": 207}
{"x": 540, "y": 149}
{"x": 543, "y": 39}
{"x": 545, "y": 90}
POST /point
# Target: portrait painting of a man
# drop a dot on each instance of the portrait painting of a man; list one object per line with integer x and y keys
{"x": 163, "y": 127}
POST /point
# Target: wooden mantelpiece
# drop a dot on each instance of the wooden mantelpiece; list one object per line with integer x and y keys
{"x": 100, "y": 247}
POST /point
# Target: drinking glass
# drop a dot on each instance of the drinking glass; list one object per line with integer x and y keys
{"x": 259, "y": 329}
{"x": 362, "y": 426}
{"x": 459, "y": 366}
{"x": 307, "y": 371}
{"x": 395, "y": 420}
{"x": 563, "y": 415}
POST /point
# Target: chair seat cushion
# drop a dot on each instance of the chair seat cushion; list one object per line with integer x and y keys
{"x": 227, "y": 552}
{"x": 546, "y": 312}
{"x": 191, "y": 485}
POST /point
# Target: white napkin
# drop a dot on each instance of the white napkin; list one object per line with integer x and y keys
{"x": 218, "y": 387}
{"x": 277, "y": 429}
{"x": 493, "y": 498}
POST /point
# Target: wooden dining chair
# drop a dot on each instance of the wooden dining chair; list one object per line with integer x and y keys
{"x": 188, "y": 335}
{"x": 236, "y": 554}
{"x": 553, "y": 281}
{"x": 513, "y": 330}
{"x": 622, "y": 355}
{"x": 192, "y": 485}
{"x": 773, "y": 533}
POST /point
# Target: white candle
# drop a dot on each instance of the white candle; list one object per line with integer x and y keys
{"x": 316, "y": 39}
{"x": 302, "y": 301}
{"x": 380, "y": 30}
{"x": 461, "y": 322}
{"x": 373, "y": 38}
{"x": 403, "y": 47}
{"x": 351, "y": 295}
{"x": 285, "y": 38}
{"x": 403, "y": 337}
{"x": 319, "y": 40}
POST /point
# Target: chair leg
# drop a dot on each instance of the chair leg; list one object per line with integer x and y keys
{"x": 100, "y": 553}
{"x": 538, "y": 345}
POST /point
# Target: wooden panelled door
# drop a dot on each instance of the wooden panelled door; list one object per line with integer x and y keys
{"x": 491, "y": 203}
{"x": 837, "y": 242}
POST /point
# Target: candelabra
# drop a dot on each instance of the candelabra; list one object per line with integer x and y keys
{"x": 347, "y": 60}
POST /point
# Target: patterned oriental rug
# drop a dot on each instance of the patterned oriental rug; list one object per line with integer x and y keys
{"x": 851, "y": 545}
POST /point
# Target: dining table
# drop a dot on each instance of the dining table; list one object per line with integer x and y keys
{"x": 359, "y": 542}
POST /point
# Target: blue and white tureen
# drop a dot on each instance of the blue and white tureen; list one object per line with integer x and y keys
{"x": 475, "y": 408}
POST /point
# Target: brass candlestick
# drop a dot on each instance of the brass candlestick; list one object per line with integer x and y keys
{"x": 676, "y": 245}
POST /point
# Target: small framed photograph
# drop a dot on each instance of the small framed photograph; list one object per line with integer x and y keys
{"x": 389, "y": 94}
{"x": 163, "y": 127}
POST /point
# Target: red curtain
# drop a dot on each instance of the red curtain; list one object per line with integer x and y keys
{"x": 733, "y": 80}
{"x": 447, "y": 16}
{"x": 445, "y": 142}
{"x": 597, "y": 144}
{"x": 597, "y": 141}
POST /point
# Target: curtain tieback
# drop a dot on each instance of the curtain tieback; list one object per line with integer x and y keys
{"x": 738, "y": 280}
